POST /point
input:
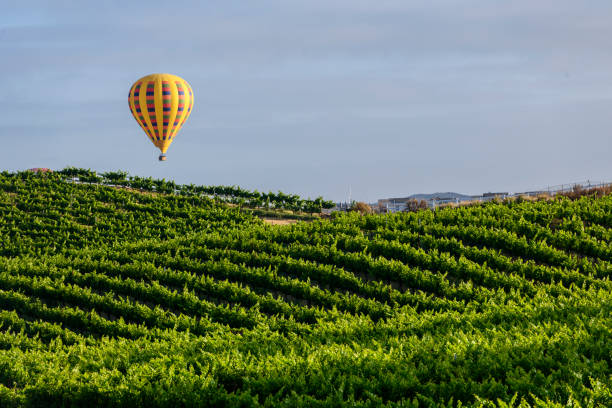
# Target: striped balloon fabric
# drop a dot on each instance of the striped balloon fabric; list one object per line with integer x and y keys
{"x": 161, "y": 103}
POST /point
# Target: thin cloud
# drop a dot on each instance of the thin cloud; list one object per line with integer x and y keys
{"x": 391, "y": 97}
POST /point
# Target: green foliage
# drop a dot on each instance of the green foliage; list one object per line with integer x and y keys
{"x": 112, "y": 297}
{"x": 229, "y": 194}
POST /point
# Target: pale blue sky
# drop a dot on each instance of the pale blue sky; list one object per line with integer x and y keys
{"x": 311, "y": 97}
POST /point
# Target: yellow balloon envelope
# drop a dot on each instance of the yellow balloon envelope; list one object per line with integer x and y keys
{"x": 161, "y": 103}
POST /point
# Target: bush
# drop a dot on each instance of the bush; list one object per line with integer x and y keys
{"x": 361, "y": 207}
{"x": 415, "y": 205}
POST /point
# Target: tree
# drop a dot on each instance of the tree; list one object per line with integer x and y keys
{"x": 361, "y": 207}
{"x": 415, "y": 205}
{"x": 115, "y": 177}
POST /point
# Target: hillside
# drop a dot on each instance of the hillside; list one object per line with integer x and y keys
{"x": 114, "y": 297}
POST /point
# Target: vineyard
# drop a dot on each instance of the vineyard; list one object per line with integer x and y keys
{"x": 116, "y": 297}
{"x": 226, "y": 194}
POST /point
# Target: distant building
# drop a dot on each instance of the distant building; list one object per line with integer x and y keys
{"x": 432, "y": 200}
{"x": 437, "y": 201}
{"x": 492, "y": 196}
{"x": 40, "y": 170}
{"x": 392, "y": 204}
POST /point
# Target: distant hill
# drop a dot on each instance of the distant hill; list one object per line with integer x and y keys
{"x": 461, "y": 197}
{"x": 427, "y": 197}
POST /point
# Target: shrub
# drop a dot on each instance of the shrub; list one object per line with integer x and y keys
{"x": 415, "y": 205}
{"x": 361, "y": 207}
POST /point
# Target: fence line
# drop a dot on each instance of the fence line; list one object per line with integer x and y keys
{"x": 565, "y": 188}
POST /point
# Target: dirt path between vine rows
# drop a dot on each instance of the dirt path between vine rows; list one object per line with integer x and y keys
{"x": 273, "y": 221}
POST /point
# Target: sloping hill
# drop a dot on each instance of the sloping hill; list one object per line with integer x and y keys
{"x": 111, "y": 297}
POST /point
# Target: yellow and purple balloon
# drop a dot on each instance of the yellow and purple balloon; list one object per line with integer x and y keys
{"x": 161, "y": 103}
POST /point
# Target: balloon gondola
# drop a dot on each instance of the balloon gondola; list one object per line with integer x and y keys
{"x": 161, "y": 103}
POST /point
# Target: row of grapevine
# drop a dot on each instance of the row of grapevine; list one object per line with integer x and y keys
{"x": 232, "y": 194}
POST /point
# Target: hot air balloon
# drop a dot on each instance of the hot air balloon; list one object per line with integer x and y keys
{"x": 161, "y": 103}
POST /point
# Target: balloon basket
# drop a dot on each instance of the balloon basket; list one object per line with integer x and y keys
{"x": 162, "y": 157}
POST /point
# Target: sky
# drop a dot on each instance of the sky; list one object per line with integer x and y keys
{"x": 339, "y": 98}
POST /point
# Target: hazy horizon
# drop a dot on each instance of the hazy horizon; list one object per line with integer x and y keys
{"x": 386, "y": 99}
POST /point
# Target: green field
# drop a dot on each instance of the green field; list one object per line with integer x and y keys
{"x": 113, "y": 297}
